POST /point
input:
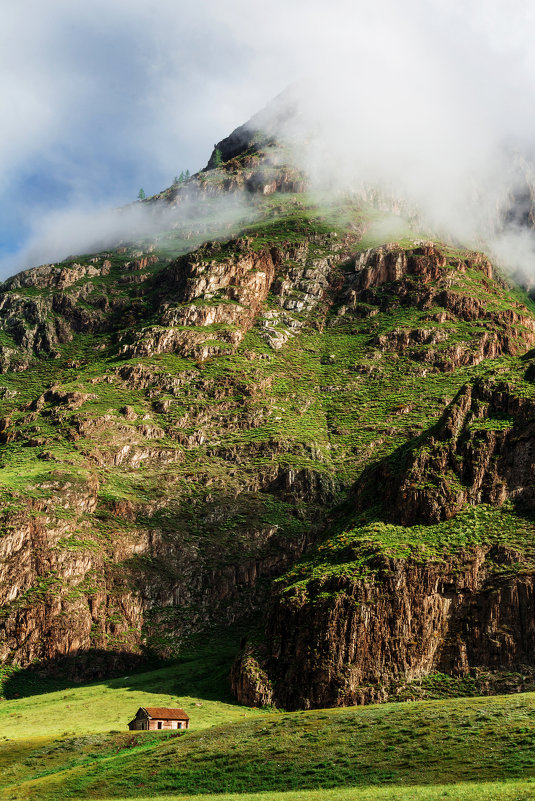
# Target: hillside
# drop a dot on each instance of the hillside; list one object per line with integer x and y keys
{"x": 471, "y": 748}
{"x": 269, "y": 407}
{"x": 63, "y": 740}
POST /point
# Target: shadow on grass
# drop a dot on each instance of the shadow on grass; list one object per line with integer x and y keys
{"x": 202, "y": 670}
{"x": 69, "y": 671}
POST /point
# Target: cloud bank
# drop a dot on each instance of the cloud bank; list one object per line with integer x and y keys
{"x": 430, "y": 99}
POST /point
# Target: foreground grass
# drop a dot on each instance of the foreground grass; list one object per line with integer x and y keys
{"x": 71, "y": 744}
{"x": 493, "y": 791}
{"x": 451, "y": 742}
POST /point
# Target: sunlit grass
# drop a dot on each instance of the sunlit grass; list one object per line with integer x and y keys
{"x": 459, "y": 746}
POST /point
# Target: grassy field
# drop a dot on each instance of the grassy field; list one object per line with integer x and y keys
{"x": 480, "y": 748}
{"x": 197, "y": 682}
{"x": 72, "y": 743}
{"x": 493, "y": 791}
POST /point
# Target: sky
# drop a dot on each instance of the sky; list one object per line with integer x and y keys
{"x": 99, "y": 99}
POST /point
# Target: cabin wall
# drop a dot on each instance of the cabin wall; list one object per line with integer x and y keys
{"x": 168, "y": 724}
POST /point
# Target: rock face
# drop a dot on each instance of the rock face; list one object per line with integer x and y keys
{"x": 180, "y": 421}
{"x": 428, "y": 277}
{"x": 354, "y": 642}
{"x": 196, "y": 539}
{"x": 64, "y": 596}
{"x": 211, "y": 288}
{"x": 146, "y": 572}
{"x": 482, "y": 451}
{"x": 345, "y": 640}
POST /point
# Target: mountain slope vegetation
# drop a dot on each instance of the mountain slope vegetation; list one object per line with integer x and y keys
{"x": 268, "y": 406}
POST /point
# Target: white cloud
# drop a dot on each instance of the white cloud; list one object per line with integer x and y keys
{"x": 110, "y": 95}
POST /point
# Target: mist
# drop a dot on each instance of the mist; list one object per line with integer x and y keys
{"x": 195, "y": 217}
{"x": 434, "y": 109}
{"x": 430, "y": 101}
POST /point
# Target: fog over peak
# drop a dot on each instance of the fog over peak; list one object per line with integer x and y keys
{"x": 432, "y": 101}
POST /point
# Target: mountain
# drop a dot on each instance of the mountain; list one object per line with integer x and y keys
{"x": 270, "y": 413}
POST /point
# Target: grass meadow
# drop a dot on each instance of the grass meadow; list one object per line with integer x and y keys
{"x": 72, "y": 743}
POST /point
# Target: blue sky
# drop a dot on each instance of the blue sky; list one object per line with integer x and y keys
{"x": 99, "y": 99}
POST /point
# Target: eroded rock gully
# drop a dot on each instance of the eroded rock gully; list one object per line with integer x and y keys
{"x": 481, "y": 451}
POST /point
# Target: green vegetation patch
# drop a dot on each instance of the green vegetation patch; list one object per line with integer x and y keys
{"x": 354, "y": 553}
{"x": 468, "y": 791}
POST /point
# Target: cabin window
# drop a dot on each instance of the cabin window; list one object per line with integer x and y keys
{"x": 160, "y": 724}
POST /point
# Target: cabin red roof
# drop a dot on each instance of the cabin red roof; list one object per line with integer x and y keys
{"x": 163, "y": 713}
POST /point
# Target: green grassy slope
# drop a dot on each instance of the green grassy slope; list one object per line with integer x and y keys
{"x": 438, "y": 743}
{"x": 44, "y": 732}
{"x": 487, "y": 791}
{"x": 72, "y": 743}
{"x": 197, "y": 682}
{"x": 351, "y": 551}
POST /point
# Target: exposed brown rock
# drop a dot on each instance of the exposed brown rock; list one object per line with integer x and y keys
{"x": 482, "y": 451}
{"x": 354, "y": 642}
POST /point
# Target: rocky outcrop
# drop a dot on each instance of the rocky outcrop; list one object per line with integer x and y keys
{"x": 481, "y": 451}
{"x": 363, "y": 633}
{"x": 50, "y": 276}
{"x": 263, "y": 129}
{"x": 228, "y": 287}
{"x": 353, "y": 642}
{"x": 220, "y": 286}
{"x": 41, "y": 309}
{"x": 427, "y": 276}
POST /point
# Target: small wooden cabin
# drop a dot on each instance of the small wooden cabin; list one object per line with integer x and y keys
{"x": 157, "y": 717}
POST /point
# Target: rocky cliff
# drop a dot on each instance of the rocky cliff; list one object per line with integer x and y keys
{"x": 481, "y": 451}
{"x": 381, "y": 605}
{"x": 187, "y": 419}
{"x": 359, "y": 639}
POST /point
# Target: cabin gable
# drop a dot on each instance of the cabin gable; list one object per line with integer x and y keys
{"x": 141, "y": 721}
